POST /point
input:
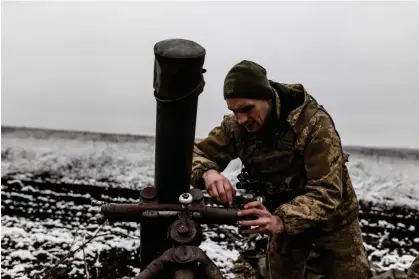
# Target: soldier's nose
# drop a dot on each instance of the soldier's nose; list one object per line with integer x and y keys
{"x": 241, "y": 118}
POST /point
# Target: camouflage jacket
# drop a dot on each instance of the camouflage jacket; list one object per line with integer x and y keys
{"x": 306, "y": 145}
{"x": 413, "y": 271}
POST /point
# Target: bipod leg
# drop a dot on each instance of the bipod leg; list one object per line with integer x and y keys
{"x": 184, "y": 262}
{"x": 184, "y": 273}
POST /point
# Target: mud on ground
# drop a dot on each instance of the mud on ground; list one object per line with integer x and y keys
{"x": 42, "y": 220}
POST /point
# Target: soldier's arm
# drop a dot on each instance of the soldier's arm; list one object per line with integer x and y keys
{"x": 214, "y": 152}
{"x": 324, "y": 161}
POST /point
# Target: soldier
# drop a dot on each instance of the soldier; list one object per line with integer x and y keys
{"x": 284, "y": 137}
{"x": 413, "y": 271}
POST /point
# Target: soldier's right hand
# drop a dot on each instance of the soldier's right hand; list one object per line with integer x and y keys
{"x": 219, "y": 187}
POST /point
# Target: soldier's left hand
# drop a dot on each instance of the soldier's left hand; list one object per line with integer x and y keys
{"x": 266, "y": 223}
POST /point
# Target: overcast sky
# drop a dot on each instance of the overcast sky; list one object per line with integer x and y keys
{"x": 89, "y": 66}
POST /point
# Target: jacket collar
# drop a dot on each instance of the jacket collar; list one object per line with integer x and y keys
{"x": 295, "y": 113}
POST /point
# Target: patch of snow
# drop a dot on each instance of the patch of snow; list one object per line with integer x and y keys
{"x": 37, "y": 239}
{"x": 393, "y": 261}
{"x": 22, "y": 254}
{"x": 383, "y": 223}
{"x": 381, "y": 179}
{"x": 385, "y": 180}
{"x": 222, "y": 256}
{"x": 126, "y": 164}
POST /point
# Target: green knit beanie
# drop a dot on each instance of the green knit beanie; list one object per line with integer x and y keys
{"x": 247, "y": 79}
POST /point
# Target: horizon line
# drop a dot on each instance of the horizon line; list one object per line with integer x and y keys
{"x": 12, "y": 128}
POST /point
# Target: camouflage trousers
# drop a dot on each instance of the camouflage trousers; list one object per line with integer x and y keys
{"x": 413, "y": 271}
{"x": 338, "y": 254}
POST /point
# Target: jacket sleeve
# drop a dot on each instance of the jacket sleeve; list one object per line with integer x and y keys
{"x": 214, "y": 152}
{"x": 324, "y": 161}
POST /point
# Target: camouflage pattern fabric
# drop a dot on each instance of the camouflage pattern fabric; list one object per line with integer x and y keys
{"x": 328, "y": 201}
{"x": 413, "y": 271}
{"x": 329, "y": 197}
{"x": 337, "y": 254}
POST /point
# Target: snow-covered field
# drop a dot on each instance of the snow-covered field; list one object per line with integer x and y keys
{"x": 41, "y": 220}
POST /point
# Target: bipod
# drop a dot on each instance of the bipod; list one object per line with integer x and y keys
{"x": 184, "y": 259}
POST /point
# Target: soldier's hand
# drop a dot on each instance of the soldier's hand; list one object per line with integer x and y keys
{"x": 219, "y": 187}
{"x": 266, "y": 223}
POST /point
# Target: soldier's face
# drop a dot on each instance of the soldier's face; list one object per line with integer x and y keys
{"x": 251, "y": 114}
